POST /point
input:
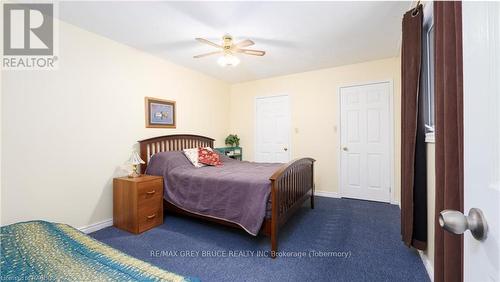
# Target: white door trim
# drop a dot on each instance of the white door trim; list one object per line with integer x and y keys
{"x": 391, "y": 134}
{"x": 290, "y": 146}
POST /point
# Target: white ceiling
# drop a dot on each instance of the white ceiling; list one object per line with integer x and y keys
{"x": 297, "y": 36}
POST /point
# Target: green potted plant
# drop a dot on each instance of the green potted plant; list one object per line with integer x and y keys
{"x": 233, "y": 140}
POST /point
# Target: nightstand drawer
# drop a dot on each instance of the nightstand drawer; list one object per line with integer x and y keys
{"x": 150, "y": 217}
{"x": 148, "y": 192}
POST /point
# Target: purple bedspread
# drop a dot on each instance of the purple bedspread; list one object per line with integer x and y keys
{"x": 237, "y": 191}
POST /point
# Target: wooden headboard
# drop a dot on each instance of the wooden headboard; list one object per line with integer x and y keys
{"x": 175, "y": 142}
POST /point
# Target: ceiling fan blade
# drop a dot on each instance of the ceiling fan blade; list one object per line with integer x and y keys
{"x": 244, "y": 43}
{"x": 202, "y": 40}
{"x": 206, "y": 54}
{"x": 252, "y": 52}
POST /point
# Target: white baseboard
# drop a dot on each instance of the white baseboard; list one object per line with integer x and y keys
{"x": 326, "y": 194}
{"x": 329, "y": 194}
{"x": 428, "y": 266}
{"x": 96, "y": 226}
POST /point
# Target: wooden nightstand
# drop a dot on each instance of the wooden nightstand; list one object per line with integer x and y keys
{"x": 137, "y": 203}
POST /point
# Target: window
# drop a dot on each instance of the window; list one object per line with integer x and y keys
{"x": 427, "y": 81}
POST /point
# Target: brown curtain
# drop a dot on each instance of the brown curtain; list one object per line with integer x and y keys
{"x": 448, "y": 256}
{"x": 413, "y": 150}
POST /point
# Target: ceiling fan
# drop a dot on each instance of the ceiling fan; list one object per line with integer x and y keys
{"x": 228, "y": 49}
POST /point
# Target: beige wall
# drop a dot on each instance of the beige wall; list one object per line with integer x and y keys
{"x": 314, "y": 102}
{"x": 65, "y": 133}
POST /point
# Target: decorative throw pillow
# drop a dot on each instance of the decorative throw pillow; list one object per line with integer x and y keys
{"x": 192, "y": 155}
{"x": 208, "y": 157}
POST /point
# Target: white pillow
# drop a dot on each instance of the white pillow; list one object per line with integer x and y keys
{"x": 192, "y": 155}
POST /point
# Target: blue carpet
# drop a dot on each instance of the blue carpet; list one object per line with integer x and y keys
{"x": 340, "y": 240}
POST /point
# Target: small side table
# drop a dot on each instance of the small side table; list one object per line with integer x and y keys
{"x": 232, "y": 152}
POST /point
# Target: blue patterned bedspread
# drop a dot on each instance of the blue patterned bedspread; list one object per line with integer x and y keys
{"x": 39, "y": 250}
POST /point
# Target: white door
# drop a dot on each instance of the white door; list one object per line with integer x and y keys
{"x": 481, "y": 51}
{"x": 272, "y": 129}
{"x": 365, "y": 142}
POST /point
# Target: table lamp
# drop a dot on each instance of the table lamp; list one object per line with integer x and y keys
{"x": 135, "y": 160}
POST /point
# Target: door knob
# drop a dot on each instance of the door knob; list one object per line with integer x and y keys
{"x": 457, "y": 223}
{"x": 345, "y": 149}
{"x": 286, "y": 149}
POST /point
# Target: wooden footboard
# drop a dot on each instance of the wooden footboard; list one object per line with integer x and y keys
{"x": 291, "y": 185}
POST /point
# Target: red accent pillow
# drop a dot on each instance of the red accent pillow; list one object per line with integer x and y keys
{"x": 208, "y": 157}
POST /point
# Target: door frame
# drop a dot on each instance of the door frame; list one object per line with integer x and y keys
{"x": 290, "y": 147}
{"x": 392, "y": 149}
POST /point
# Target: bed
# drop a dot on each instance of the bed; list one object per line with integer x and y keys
{"x": 273, "y": 192}
{"x": 40, "y": 250}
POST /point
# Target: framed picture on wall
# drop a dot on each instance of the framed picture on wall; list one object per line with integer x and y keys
{"x": 160, "y": 113}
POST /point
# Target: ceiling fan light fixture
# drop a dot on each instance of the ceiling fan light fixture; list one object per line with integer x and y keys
{"x": 228, "y": 60}
{"x": 228, "y": 49}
